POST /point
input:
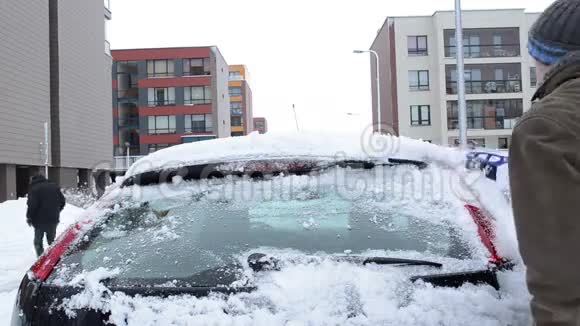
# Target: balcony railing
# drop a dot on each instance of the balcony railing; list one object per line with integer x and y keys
{"x": 122, "y": 163}
{"x": 483, "y": 122}
{"x": 161, "y": 103}
{"x": 196, "y": 72}
{"x": 200, "y": 130}
{"x": 234, "y": 78}
{"x": 128, "y": 93}
{"x": 128, "y": 122}
{"x": 200, "y": 101}
{"x": 487, "y": 86}
{"x": 107, "y": 47}
{"x": 485, "y": 51}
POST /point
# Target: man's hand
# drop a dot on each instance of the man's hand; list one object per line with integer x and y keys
{"x": 29, "y": 222}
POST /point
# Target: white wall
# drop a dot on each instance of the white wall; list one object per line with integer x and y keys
{"x": 436, "y": 97}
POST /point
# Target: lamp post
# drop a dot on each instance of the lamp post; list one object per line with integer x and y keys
{"x": 127, "y": 144}
{"x": 376, "y": 55}
{"x": 460, "y": 77}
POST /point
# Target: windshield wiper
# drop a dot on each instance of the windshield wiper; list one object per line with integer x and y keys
{"x": 260, "y": 262}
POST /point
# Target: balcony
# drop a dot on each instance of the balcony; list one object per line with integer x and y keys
{"x": 236, "y": 77}
{"x": 200, "y": 101}
{"x": 486, "y": 114}
{"x": 128, "y": 122}
{"x": 161, "y": 102}
{"x": 486, "y": 78}
{"x": 131, "y": 93}
{"x": 485, "y": 51}
{"x": 122, "y": 163}
{"x": 487, "y": 86}
{"x": 107, "y": 48}
{"x": 199, "y": 130}
{"x": 484, "y": 43}
{"x": 483, "y": 123}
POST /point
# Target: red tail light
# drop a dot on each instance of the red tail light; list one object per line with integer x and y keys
{"x": 46, "y": 263}
{"x": 486, "y": 233}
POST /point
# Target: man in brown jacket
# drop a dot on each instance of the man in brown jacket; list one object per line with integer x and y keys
{"x": 545, "y": 169}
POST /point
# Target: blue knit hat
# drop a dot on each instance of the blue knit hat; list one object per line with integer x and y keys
{"x": 556, "y": 32}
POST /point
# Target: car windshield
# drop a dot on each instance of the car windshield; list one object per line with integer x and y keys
{"x": 199, "y": 232}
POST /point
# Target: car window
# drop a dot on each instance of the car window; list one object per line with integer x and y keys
{"x": 196, "y": 235}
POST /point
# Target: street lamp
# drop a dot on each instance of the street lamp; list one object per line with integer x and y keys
{"x": 378, "y": 83}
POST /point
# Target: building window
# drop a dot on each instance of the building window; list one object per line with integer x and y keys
{"x": 196, "y": 67}
{"x": 155, "y": 147}
{"x": 198, "y": 123}
{"x": 419, "y": 80}
{"x": 161, "y": 124}
{"x": 420, "y": 115}
{"x": 417, "y": 45}
{"x": 235, "y": 91}
{"x": 533, "y": 77}
{"x": 236, "y": 75}
{"x": 472, "y": 143}
{"x": 236, "y": 108}
{"x": 197, "y": 95}
{"x": 486, "y": 114}
{"x": 161, "y": 96}
{"x": 160, "y": 68}
{"x": 236, "y": 121}
{"x": 502, "y": 143}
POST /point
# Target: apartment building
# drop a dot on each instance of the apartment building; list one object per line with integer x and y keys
{"x": 240, "y": 101}
{"x": 261, "y": 125}
{"x": 56, "y": 69}
{"x": 419, "y": 77}
{"x": 167, "y": 96}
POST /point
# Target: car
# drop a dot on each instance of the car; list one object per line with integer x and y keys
{"x": 267, "y": 229}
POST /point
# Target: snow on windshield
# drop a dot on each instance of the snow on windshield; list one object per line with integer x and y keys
{"x": 329, "y": 292}
{"x": 321, "y": 293}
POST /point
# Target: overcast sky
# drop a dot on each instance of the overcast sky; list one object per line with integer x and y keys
{"x": 297, "y": 51}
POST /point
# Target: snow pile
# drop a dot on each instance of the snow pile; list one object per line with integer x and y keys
{"x": 294, "y": 145}
{"x": 322, "y": 292}
{"x": 17, "y": 250}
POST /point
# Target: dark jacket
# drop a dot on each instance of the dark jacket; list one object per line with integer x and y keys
{"x": 45, "y": 202}
{"x": 544, "y": 167}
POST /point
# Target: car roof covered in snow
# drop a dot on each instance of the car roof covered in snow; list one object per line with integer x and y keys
{"x": 324, "y": 146}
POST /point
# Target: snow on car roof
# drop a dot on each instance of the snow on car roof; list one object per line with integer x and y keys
{"x": 330, "y": 146}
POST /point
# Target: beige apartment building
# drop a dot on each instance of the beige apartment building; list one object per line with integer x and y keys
{"x": 418, "y": 75}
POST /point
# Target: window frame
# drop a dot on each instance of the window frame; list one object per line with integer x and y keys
{"x": 155, "y": 130}
{"x": 154, "y": 102}
{"x": 236, "y": 105}
{"x": 207, "y": 95}
{"x": 421, "y": 122}
{"x": 419, "y": 87}
{"x": 155, "y": 74}
{"x": 236, "y": 118}
{"x": 418, "y": 52}
{"x": 207, "y": 121}
{"x": 157, "y": 147}
{"x": 235, "y": 95}
{"x": 205, "y": 64}
{"x": 533, "y": 77}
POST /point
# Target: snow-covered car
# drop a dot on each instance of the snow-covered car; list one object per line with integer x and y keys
{"x": 267, "y": 229}
{"x": 493, "y": 163}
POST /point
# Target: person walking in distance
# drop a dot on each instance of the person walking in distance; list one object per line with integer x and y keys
{"x": 544, "y": 165}
{"x": 45, "y": 202}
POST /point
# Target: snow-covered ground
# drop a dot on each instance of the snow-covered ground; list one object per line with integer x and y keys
{"x": 17, "y": 251}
